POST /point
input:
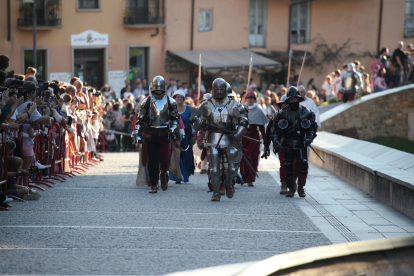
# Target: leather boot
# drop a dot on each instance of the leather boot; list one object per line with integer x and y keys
{"x": 283, "y": 189}
{"x": 229, "y": 191}
{"x": 301, "y": 191}
{"x": 291, "y": 193}
{"x": 222, "y": 190}
{"x": 215, "y": 197}
{"x": 153, "y": 189}
{"x": 164, "y": 183}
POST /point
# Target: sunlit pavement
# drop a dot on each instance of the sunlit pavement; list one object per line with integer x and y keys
{"x": 102, "y": 223}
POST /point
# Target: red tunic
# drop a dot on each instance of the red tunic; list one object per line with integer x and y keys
{"x": 252, "y": 150}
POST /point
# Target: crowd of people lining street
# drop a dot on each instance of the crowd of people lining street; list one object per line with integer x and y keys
{"x": 35, "y": 107}
{"x": 86, "y": 112}
{"x": 385, "y": 71}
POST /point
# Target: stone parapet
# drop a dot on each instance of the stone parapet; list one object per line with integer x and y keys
{"x": 383, "y": 173}
{"x": 379, "y": 114}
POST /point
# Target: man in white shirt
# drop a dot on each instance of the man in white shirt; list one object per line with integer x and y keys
{"x": 252, "y": 85}
{"x": 139, "y": 91}
{"x": 171, "y": 88}
{"x": 184, "y": 88}
{"x": 195, "y": 87}
{"x": 327, "y": 88}
{"x": 308, "y": 103}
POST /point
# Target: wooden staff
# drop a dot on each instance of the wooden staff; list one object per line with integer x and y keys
{"x": 250, "y": 73}
{"x": 225, "y": 131}
{"x": 199, "y": 78}
{"x": 290, "y": 59}
{"x": 303, "y": 63}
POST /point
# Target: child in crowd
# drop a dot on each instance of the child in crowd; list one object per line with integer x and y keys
{"x": 13, "y": 189}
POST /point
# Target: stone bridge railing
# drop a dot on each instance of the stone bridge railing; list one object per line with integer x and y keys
{"x": 388, "y": 113}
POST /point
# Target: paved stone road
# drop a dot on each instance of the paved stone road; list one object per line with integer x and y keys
{"x": 101, "y": 223}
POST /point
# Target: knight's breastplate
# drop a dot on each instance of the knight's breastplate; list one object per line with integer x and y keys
{"x": 349, "y": 82}
{"x": 159, "y": 112}
{"x": 293, "y": 126}
{"x": 218, "y": 115}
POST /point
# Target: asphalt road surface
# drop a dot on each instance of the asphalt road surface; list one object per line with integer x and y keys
{"x": 102, "y": 223}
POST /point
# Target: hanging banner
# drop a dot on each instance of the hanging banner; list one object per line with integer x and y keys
{"x": 89, "y": 38}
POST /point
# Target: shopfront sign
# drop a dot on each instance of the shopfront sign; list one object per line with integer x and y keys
{"x": 63, "y": 76}
{"x": 89, "y": 38}
{"x": 116, "y": 79}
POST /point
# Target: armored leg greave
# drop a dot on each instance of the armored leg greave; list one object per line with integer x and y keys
{"x": 214, "y": 158}
{"x": 231, "y": 173}
{"x": 302, "y": 166}
{"x": 289, "y": 164}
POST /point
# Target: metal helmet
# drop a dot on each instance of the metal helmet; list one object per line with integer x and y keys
{"x": 206, "y": 97}
{"x": 281, "y": 101}
{"x": 219, "y": 82}
{"x": 351, "y": 67}
{"x": 158, "y": 83}
{"x": 229, "y": 90}
{"x": 293, "y": 92}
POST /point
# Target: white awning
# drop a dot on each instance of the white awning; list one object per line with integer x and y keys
{"x": 215, "y": 59}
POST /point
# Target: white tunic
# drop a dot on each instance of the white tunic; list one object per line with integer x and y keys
{"x": 309, "y": 103}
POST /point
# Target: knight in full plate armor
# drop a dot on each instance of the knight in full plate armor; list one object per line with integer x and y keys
{"x": 351, "y": 83}
{"x": 223, "y": 112}
{"x": 292, "y": 129}
{"x": 158, "y": 123}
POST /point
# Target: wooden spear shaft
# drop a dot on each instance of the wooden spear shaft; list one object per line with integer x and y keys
{"x": 303, "y": 63}
{"x": 288, "y": 75}
{"x": 250, "y": 73}
{"x": 199, "y": 78}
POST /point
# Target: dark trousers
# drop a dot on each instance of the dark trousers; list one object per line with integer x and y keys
{"x": 159, "y": 156}
{"x": 301, "y": 156}
{"x": 282, "y": 167}
{"x": 347, "y": 97}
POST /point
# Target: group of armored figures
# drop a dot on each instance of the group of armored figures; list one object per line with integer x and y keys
{"x": 224, "y": 124}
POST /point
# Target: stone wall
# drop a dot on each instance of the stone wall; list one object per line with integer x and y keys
{"x": 385, "y": 115}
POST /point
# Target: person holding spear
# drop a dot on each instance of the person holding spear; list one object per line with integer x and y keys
{"x": 226, "y": 122}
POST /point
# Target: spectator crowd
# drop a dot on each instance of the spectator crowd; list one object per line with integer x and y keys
{"x": 104, "y": 119}
{"x": 35, "y": 112}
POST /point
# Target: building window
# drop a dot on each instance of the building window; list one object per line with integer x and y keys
{"x": 48, "y": 14}
{"x": 299, "y": 22}
{"x": 137, "y": 63}
{"x": 144, "y": 12}
{"x": 88, "y": 4}
{"x": 257, "y": 23}
{"x": 41, "y": 63}
{"x": 205, "y": 20}
{"x": 409, "y": 19}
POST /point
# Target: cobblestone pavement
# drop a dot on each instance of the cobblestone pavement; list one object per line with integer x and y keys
{"x": 101, "y": 223}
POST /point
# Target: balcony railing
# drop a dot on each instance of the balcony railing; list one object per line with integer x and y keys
{"x": 40, "y": 22}
{"x": 48, "y": 14}
{"x": 144, "y": 12}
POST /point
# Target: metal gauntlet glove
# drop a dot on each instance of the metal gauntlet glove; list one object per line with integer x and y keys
{"x": 198, "y": 123}
{"x": 238, "y": 133}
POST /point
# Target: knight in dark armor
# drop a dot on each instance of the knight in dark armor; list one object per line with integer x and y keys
{"x": 158, "y": 124}
{"x": 221, "y": 112}
{"x": 292, "y": 129}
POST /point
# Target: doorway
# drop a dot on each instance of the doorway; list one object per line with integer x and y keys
{"x": 89, "y": 66}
